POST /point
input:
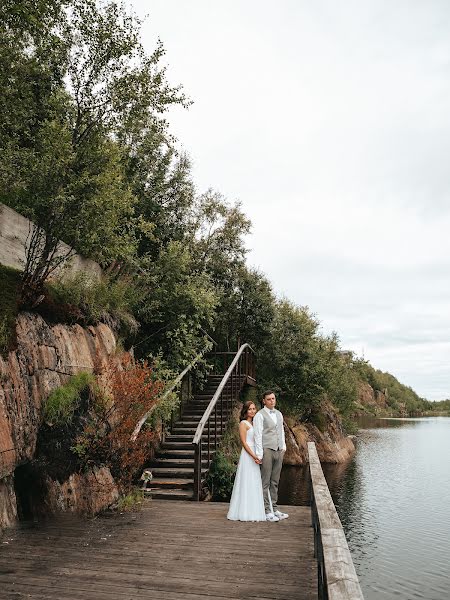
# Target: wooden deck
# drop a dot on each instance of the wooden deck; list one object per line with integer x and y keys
{"x": 167, "y": 550}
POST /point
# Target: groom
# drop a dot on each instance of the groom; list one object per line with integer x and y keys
{"x": 270, "y": 446}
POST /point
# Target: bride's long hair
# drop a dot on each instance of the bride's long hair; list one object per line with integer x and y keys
{"x": 245, "y": 408}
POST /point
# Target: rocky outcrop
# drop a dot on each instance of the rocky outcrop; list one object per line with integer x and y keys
{"x": 333, "y": 446}
{"x": 45, "y": 357}
{"x": 371, "y": 401}
{"x": 85, "y": 493}
{"x": 8, "y": 506}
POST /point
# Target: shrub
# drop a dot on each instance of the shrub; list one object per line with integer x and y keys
{"x": 10, "y": 286}
{"x": 106, "y": 299}
{"x": 105, "y": 438}
{"x": 318, "y": 419}
{"x": 64, "y": 401}
{"x": 221, "y": 477}
{"x": 130, "y": 501}
{"x": 223, "y": 467}
{"x": 167, "y": 404}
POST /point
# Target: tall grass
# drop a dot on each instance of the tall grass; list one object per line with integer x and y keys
{"x": 65, "y": 400}
{"x": 106, "y": 299}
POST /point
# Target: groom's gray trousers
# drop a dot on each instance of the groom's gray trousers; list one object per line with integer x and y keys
{"x": 270, "y": 474}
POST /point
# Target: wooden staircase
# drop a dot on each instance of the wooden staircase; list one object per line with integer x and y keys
{"x": 173, "y": 465}
{"x": 181, "y": 464}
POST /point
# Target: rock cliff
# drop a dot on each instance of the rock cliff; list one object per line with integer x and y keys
{"x": 45, "y": 357}
{"x": 371, "y": 401}
{"x": 333, "y": 445}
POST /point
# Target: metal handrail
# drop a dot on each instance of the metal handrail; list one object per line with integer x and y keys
{"x": 234, "y": 374}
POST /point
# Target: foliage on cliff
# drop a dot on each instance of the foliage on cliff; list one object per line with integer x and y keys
{"x": 90, "y": 419}
{"x": 400, "y": 398}
{"x": 125, "y": 392}
{"x": 89, "y": 300}
{"x": 63, "y": 402}
{"x": 9, "y": 285}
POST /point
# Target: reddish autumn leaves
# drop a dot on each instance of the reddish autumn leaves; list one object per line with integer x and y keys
{"x": 124, "y": 392}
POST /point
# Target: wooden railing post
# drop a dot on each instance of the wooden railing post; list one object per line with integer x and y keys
{"x": 215, "y": 428}
{"x": 197, "y": 470}
{"x": 209, "y": 443}
{"x": 246, "y": 363}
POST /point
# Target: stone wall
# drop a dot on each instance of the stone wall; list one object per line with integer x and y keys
{"x": 46, "y": 356}
{"x": 14, "y": 231}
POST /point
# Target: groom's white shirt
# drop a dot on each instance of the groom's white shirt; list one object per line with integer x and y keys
{"x": 258, "y": 425}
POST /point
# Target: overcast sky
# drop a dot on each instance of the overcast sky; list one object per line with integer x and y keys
{"x": 330, "y": 122}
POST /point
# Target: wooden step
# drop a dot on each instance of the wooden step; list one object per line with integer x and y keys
{"x": 190, "y": 431}
{"x": 170, "y": 453}
{"x": 176, "y": 472}
{"x": 174, "y": 463}
{"x": 175, "y": 437}
{"x": 199, "y": 412}
{"x": 183, "y": 445}
{"x": 187, "y": 431}
{"x": 204, "y": 397}
{"x": 170, "y": 483}
{"x": 170, "y": 494}
{"x": 188, "y": 437}
{"x": 192, "y": 422}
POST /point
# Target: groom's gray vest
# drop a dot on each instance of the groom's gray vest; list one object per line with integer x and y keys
{"x": 272, "y": 433}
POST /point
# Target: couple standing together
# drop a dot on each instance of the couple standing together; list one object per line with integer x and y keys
{"x": 255, "y": 491}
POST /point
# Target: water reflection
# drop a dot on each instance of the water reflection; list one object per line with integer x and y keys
{"x": 392, "y": 499}
{"x": 388, "y": 422}
{"x": 295, "y": 486}
{"x": 295, "y": 483}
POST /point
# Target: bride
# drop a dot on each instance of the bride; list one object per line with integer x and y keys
{"x": 247, "y": 503}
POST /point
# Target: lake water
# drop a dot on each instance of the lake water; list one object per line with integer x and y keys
{"x": 393, "y": 499}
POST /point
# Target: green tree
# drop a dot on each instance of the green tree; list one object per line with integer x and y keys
{"x": 91, "y": 82}
{"x": 217, "y": 231}
{"x": 247, "y": 307}
{"x": 177, "y": 306}
{"x": 303, "y": 365}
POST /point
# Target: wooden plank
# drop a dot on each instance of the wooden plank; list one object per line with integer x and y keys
{"x": 341, "y": 579}
{"x": 158, "y": 588}
{"x": 328, "y": 516}
{"x": 171, "y": 550}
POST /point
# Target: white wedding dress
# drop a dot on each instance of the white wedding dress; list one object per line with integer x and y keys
{"x": 247, "y": 502}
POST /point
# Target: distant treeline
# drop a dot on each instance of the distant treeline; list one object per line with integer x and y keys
{"x": 442, "y": 406}
{"x": 87, "y": 154}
